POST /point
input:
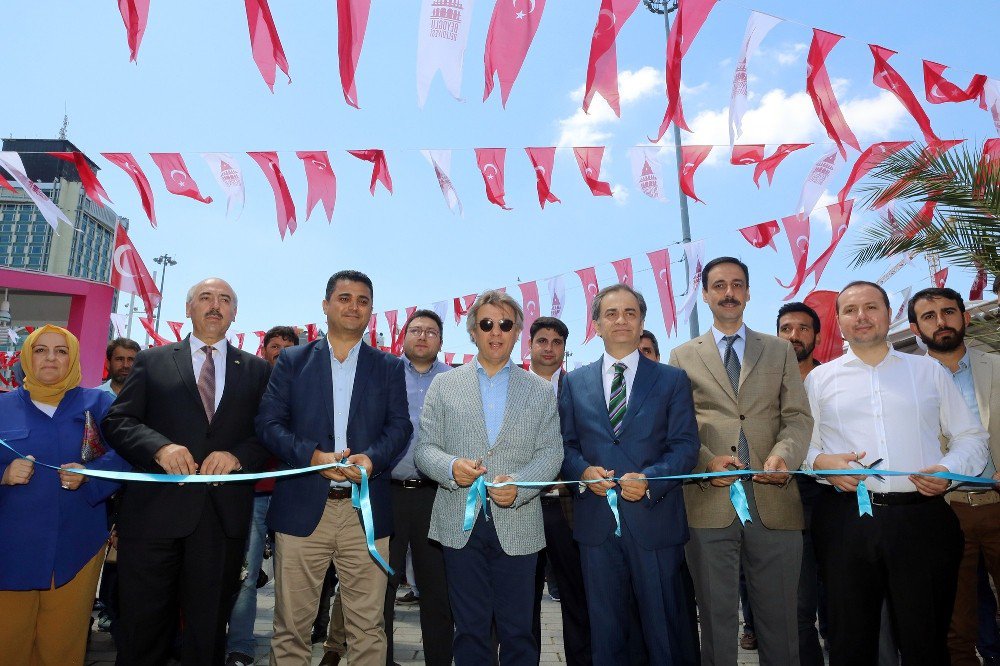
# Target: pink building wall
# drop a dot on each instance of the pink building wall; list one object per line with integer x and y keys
{"x": 89, "y": 313}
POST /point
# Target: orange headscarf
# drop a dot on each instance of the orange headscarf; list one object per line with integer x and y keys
{"x": 50, "y": 394}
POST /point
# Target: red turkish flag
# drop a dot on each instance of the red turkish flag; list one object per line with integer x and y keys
{"x": 529, "y": 301}
{"x": 692, "y": 157}
{"x": 542, "y": 160}
{"x": 840, "y": 218}
{"x": 491, "y": 164}
{"x": 260, "y": 342}
{"x": 691, "y": 15}
{"x": 589, "y": 160}
{"x": 940, "y": 278}
{"x": 352, "y": 21}
{"x": 312, "y": 332}
{"x": 512, "y": 28}
{"x": 380, "y": 171}
{"x": 978, "y": 284}
{"x": 870, "y": 159}
{"x": 602, "y": 67}
{"x": 660, "y": 262}
{"x": 821, "y": 91}
{"x": 265, "y": 44}
{"x": 761, "y": 234}
{"x": 409, "y": 312}
{"x": 135, "y": 14}
{"x": 940, "y": 90}
{"x": 467, "y": 358}
{"x": 797, "y": 230}
{"x": 922, "y": 218}
{"x": 91, "y": 185}
{"x": 747, "y": 154}
{"x": 930, "y": 151}
{"x": 129, "y": 274}
{"x": 127, "y": 163}
{"x": 158, "y": 340}
{"x": 4, "y": 183}
{"x": 887, "y": 78}
{"x": 239, "y": 340}
{"x": 987, "y": 169}
{"x": 175, "y": 327}
{"x": 831, "y": 343}
{"x": 449, "y": 358}
{"x": 283, "y": 203}
{"x": 176, "y": 176}
{"x": 768, "y": 165}
{"x": 623, "y": 269}
{"x": 588, "y": 276}
{"x": 372, "y": 333}
{"x": 395, "y": 335}
{"x": 462, "y": 306}
{"x": 321, "y": 179}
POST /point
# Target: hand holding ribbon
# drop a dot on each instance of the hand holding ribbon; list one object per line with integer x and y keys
{"x": 723, "y": 464}
{"x": 779, "y": 475}
{"x": 503, "y": 495}
{"x": 834, "y": 461}
{"x": 930, "y": 485}
{"x": 598, "y": 480}
{"x": 634, "y": 486}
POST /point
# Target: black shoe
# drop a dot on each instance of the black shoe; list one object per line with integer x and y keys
{"x": 239, "y": 659}
{"x": 262, "y": 579}
{"x": 407, "y": 599}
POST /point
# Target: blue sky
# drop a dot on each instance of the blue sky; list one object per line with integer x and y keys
{"x": 196, "y": 89}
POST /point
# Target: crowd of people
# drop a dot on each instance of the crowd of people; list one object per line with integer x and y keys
{"x": 661, "y": 582}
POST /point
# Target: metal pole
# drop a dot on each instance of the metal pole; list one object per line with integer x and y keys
{"x": 131, "y": 309}
{"x": 681, "y": 197}
{"x": 159, "y": 306}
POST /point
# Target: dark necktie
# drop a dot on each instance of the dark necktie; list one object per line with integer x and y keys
{"x": 732, "y": 362}
{"x": 618, "y": 401}
{"x": 206, "y": 382}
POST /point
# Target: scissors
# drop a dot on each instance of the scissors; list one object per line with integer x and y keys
{"x": 873, "y": 466}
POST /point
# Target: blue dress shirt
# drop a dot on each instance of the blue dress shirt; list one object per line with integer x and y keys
{"x": 493, "y": 391}
{"x": 967, "y": 387}
{"x": 343, "y": 388}
{"x": 417, "y": 384}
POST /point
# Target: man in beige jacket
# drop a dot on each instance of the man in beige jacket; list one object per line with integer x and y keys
{"x": 752, "y": 413}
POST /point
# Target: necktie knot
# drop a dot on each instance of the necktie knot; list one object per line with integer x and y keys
{"x": 208, "y": 349}
{"x": 619, "y": 368}
{"x": 730, "y": 340}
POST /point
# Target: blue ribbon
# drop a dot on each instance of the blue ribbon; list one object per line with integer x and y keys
{"x": 361, "y": 501}
{"x": 738, "y": 496}
{"x": 613, "y": 503}
{"x": 864, "y": 500}
{"x": 477, "y": 491}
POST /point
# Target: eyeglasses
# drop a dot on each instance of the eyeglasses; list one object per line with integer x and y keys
{"x": 429, "y": 333}
{"x": 486, "y": 325}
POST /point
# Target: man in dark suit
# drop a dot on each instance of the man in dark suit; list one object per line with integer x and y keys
{"x": 330, "y": 400}
{"x": 629, "y": 417}
{"x": 181, "y": 546}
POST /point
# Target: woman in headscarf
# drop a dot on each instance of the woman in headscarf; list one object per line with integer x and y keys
{"x": 54, "y": 524}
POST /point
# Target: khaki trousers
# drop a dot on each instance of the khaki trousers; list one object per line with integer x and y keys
{"x": 43, "y": 627}
{"x": 300, "y": 566}
{"x": 981, "y": 526}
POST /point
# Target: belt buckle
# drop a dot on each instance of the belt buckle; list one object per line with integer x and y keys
{"x": 411, "y": 483}
{"x": 978, "y": 498}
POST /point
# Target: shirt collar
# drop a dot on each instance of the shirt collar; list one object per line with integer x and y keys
{"x": 631, "y": 361}
{"x": 718, "y": 335}
{"x": 408, "y": 364}
{"x": 197, "y": 344}
{"x": 480, "y": 369}
{"x": 851, "y": 358}
{"x": 353, "y": 352}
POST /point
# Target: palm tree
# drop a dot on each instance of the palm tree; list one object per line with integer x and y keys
{"x": 947, "y": 204}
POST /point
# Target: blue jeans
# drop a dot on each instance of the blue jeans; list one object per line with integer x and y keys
{"x": 241, "y": 620}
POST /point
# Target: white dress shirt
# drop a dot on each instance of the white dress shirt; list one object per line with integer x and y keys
{"x": 219, "y": 355}
{"x": 894, "y": 411}
{"x": 739, "y": 345}
{"x": 631, "y": 363}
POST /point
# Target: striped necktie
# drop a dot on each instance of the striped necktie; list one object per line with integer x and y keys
{"x": 206, "y": 382}
{"x": 732, "y": 362}
{"x": 618, "y": 401}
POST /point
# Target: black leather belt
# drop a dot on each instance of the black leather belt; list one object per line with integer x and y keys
{"x": 338, "y": 493}
{"x": 900, "y": 499}
{"x": 413, "y": 483}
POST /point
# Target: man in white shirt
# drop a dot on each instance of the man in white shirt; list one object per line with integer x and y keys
{"x": 120, "y": 354}
{"x": 876, "y": 405}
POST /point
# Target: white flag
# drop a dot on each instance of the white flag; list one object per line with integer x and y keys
{"x": 441, "y": 161}
{"x": 441, "y": 308}
{"x": 120, "y": 322}
{"x": 647, "y": 171}
{"x": 11, "y": 162}
{"x": 557, "y": 290}
{"x": 899, "y": 306}
{"x": 11, "y": 333}
{"x": 816, "y": 182}
{"x": 991, "y": 97}
{"x": 443, "y": 34}
{"x": 227, "y": 173}
{"x": 695, "y": 253}
{"x": 758, "y": 25}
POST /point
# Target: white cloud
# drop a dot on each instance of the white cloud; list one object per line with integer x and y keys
{"x": 620, "y": 194}
{"x": 875, "y": 117}
{"x": 787, "y": 55}
{"x": 820, "y": 213}
{"x": 588, "y": 129}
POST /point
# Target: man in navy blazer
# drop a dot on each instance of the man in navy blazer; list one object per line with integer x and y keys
{"x": 330, "y": 400}
{"x": 625, "y": 416}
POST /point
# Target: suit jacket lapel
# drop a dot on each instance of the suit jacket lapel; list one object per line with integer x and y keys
{"x": 472, "y": 388}
{"x": 982, "y": 379}
{"x": 593, "y": 374}
{"x": 751, "y": 354}
{"x": 325, "y": 380}
{"x": 709, "y": 354}
{"x": 516, "y": 399}
{"x": 182, "y": 359}
{"x": 234, "y": 372}
{"x": 644, "y": 380}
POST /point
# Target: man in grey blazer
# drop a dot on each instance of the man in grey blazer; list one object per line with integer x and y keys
{"x": 490, "y": 417}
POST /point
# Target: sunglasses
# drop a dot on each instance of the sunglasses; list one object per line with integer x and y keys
{"x": 486, "y": 325}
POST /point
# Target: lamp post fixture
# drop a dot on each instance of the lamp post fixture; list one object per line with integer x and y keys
{"x": 164, "y": 260}
{"x": 665, "y": 7}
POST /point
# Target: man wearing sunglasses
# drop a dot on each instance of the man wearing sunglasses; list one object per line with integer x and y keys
{"x": 495, "y": 420}
{"x": 626, "y": 418}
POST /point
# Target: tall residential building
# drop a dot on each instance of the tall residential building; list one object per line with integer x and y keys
{"x": 26, "y": 239}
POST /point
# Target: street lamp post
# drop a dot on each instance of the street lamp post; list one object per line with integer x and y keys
{"x": 164, "y": 260}
{"x": 665, "y": 7}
